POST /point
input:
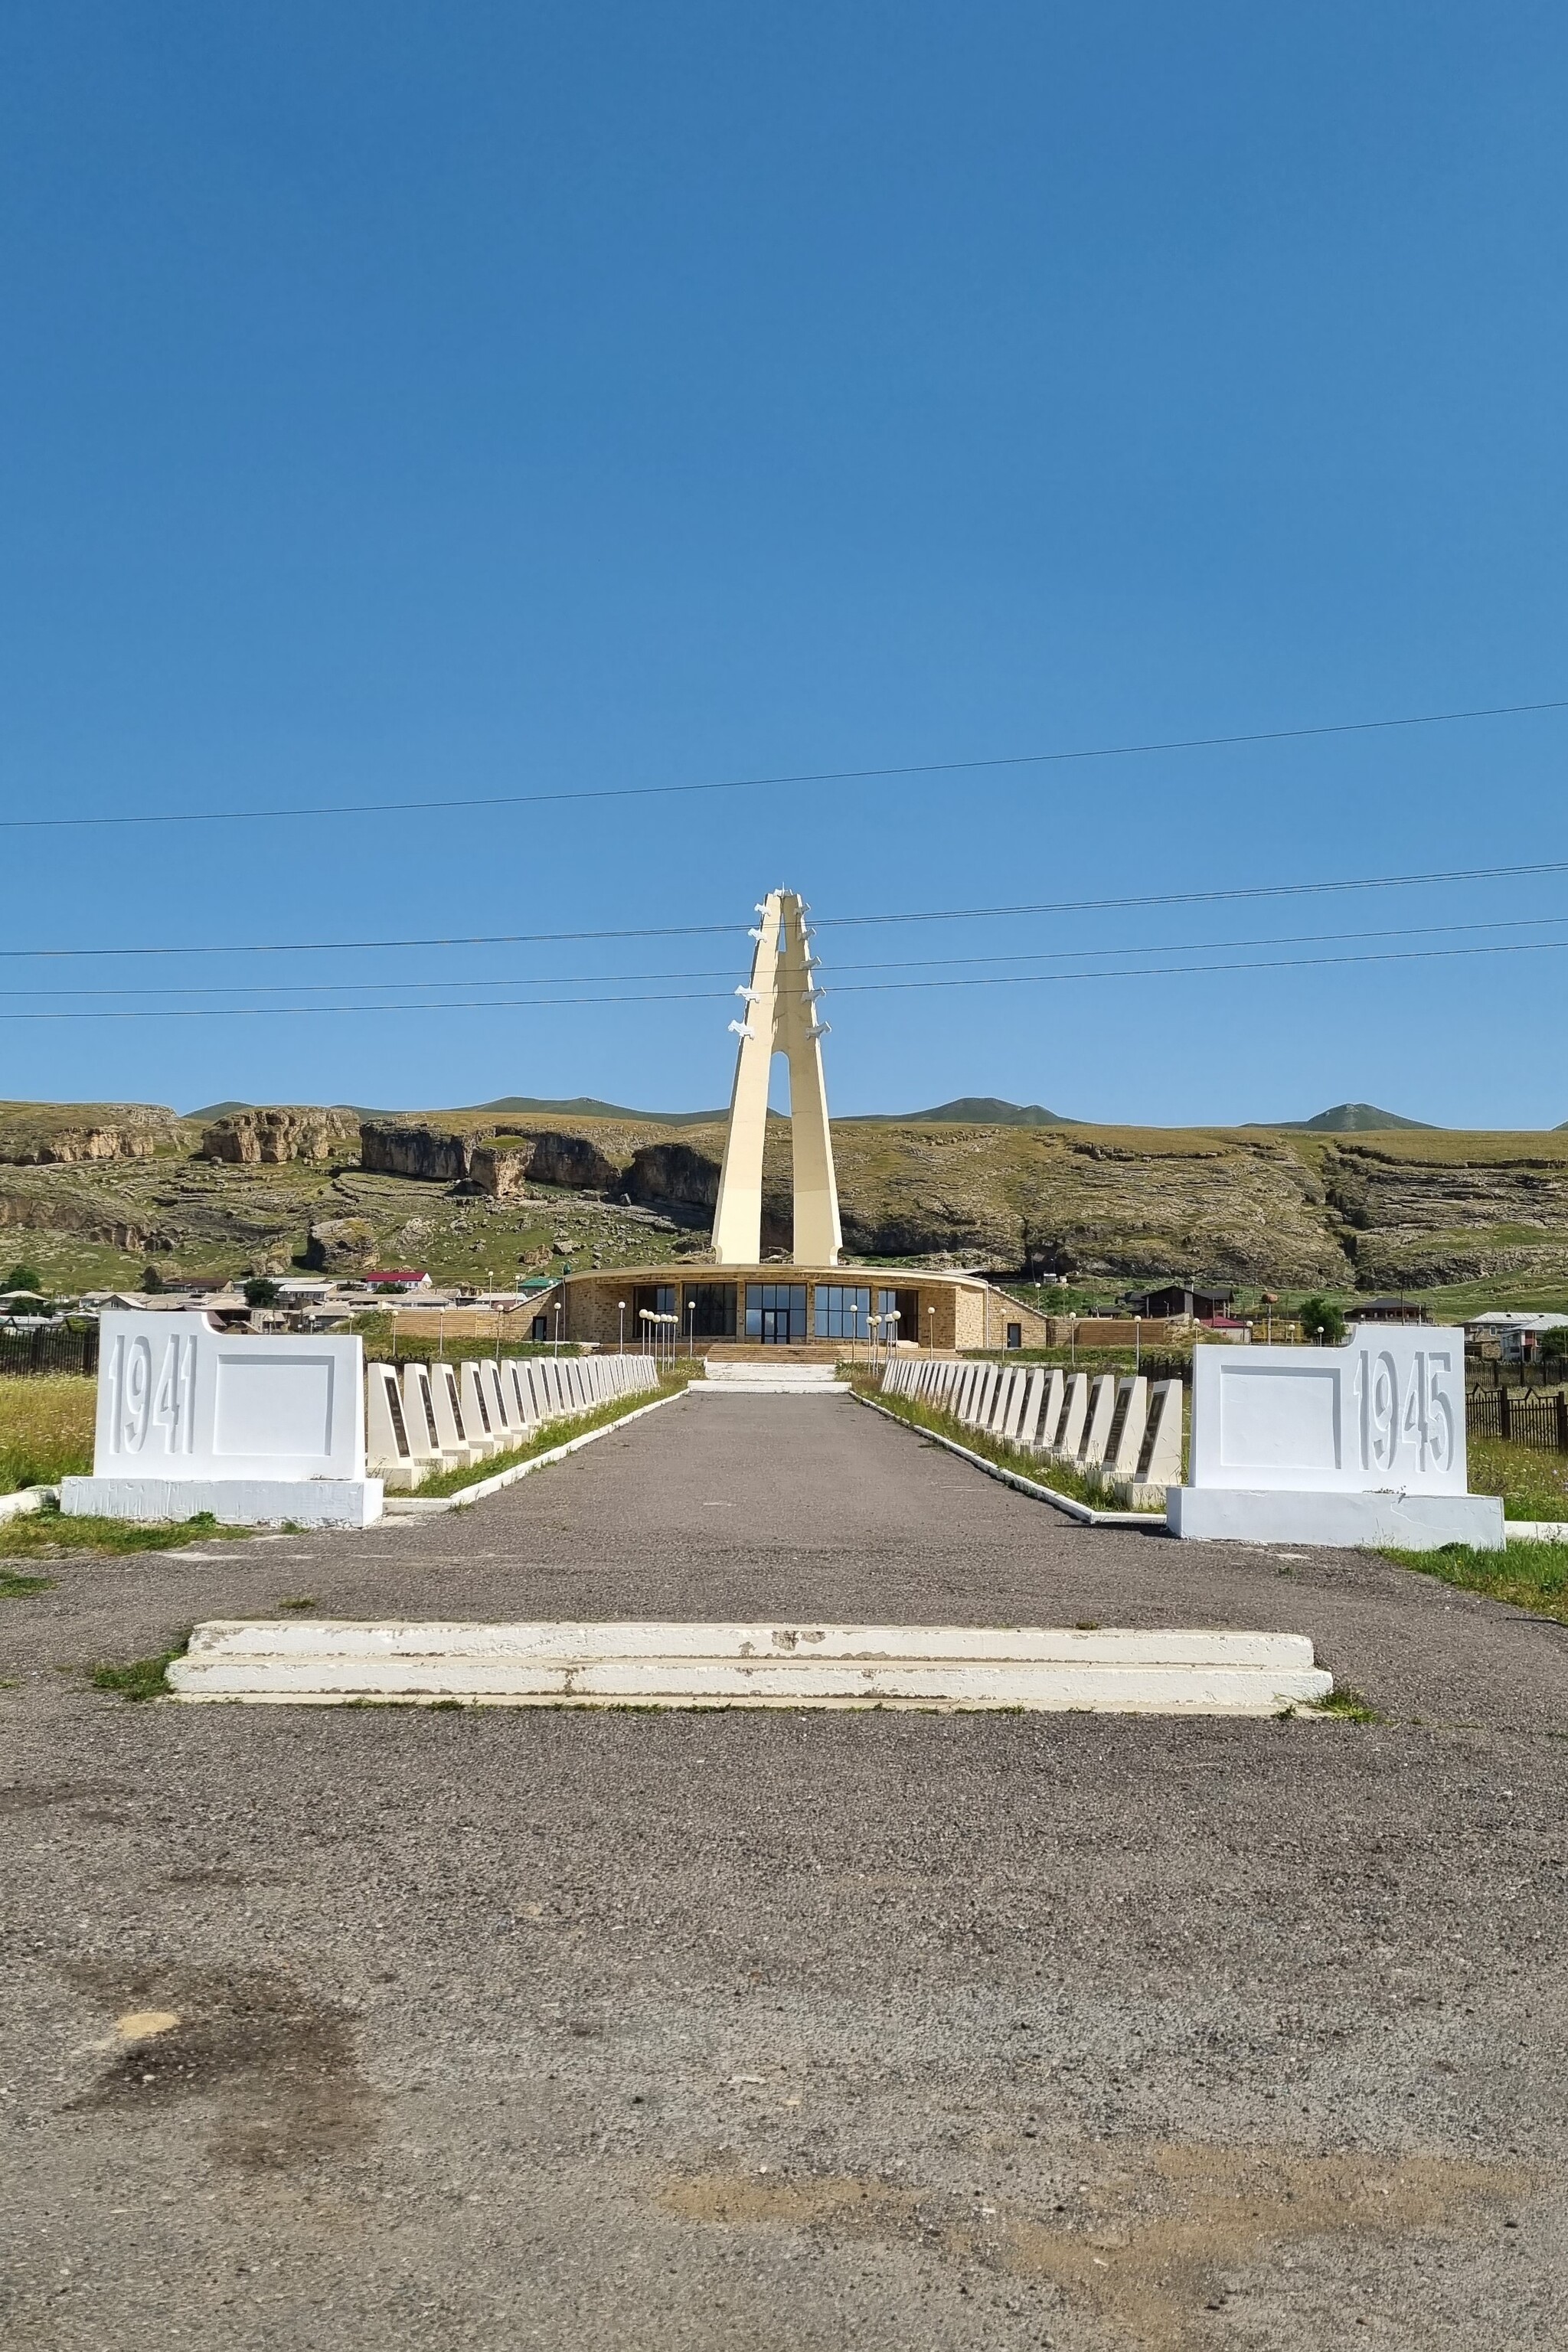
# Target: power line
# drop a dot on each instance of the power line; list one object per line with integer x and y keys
{"x": 902, "y": 963}
{"x": 855, "y": 988}
{"x": 759, "y": 784}
{"x": 823, "y": 922}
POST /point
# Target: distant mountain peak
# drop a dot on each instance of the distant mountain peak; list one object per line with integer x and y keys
{"x": 1347, "y": 1118}
{"x": 971, "y": 1110}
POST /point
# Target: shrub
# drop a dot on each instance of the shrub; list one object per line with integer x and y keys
{"x": 1323, "y": 1322}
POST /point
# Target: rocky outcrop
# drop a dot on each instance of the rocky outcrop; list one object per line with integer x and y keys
{"x": 554, "y": 1156}
{"x": 664, "y": 1175}
{"x": 39, "y": 1134}
{"x": 341, "y": 1245}
{"x": 439, "y": 1155}
{"x": 271, "y": 1137}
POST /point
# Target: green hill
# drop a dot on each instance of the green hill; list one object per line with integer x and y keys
{"x": 1348, "y": 1119}
{"x": 973, "y": 1111}
{"x": 590, "y": 1106}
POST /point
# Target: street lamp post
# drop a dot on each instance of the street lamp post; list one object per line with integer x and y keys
{"x": 621, "y": 1311}
{"x": 690, "y": 1329}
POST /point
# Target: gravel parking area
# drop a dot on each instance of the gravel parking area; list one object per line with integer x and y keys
{"x": 783, "y": 2031}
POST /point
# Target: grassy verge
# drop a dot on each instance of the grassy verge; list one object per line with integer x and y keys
{"x": 544, "y": 1441}
{"x": 1532, "y": 1576}
{"x": 1534, "y": 1485}
{"x": 49, "y": 1535}
{"x": 1085, "y": 1486}
{"x": 45, "y": 1430}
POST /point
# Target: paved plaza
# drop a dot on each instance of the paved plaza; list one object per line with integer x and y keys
{"x": 784, "y": 2031}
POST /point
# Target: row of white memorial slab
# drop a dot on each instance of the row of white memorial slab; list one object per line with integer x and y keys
{"x": 295, "y": 1426}
{"x": 1363, "y": 1443}
{"x": 444, "y": 1416}
{"x": 1120, "y": 1426}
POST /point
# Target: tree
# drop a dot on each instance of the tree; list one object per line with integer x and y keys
{"x": 152, "y": 1280}
{"x": 261, "y": 1291}
{"x": 1323, "y": 1322}
{"x": 1555, "y": 1343}
{"x": 24, "y": 1276}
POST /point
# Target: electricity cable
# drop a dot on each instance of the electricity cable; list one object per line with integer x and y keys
{"x": 902, "y": 963}
{"x": 854, "y": 988}
{"x": 1436, "y": 876}
{"x": 383, "y": 808}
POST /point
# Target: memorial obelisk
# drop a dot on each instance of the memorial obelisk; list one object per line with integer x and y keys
{"x": 780, "y": 1018}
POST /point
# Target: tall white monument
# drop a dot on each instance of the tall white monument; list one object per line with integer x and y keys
{"x": 780, "y": 1018}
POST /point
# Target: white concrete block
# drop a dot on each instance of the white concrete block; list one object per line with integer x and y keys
{"x": 1317, "y": 1516}
{"x": 1387, "y": 1411}
{"x": 1030, "y": 1411}
{"x": 456, "y": 1438}
{"x": 423, "y": 1424}
{"x": 475, "y": 1404}
{"x": 1159, "y": 1463}
{"x": 179, "y": 1398}
{"x": 194, "y": 1418}
{"x": 1138, "y": 1670}
{"x": 236, "y": 1502}
{"x": 389, "y": 1448}
{"x": 1074, "y": 1416}
{"x": 1125, "y": 1441}
{"x": 1052, "y": 1405}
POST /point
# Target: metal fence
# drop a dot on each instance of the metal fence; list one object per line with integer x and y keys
{"x": 1486, "y": 1372}
{"x": 57, "y": 1348}
{"x": 1538, "y": 1421}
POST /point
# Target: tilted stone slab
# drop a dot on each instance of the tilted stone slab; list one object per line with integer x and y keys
{"x": 681, "y": 1664}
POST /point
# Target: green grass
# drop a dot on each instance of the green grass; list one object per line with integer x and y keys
{"x": 1085, "y": 1486}
{"x": 45, "y": 1430}
{"x": 17, "y": 1587}
{"x": 47, "y": 1535}
{"x": 137, "y": 1678}
{"x": 1348, "y": 1705}
{"x": 546, "y": 1440}
{"x": 1533, "y": 1576}
{"x": 1534, "y": 1485}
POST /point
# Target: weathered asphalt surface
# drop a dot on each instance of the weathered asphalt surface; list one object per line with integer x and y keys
{"x": 784, "y": 2031}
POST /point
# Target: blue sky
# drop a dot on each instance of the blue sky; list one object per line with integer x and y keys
{"x": 417, "y": 402}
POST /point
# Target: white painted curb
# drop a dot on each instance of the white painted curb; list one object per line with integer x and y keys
{"x": 684, "y": 1663}
{"x": 1535, "y": 1531}
{"x": 400, "y": 1507}
{"x": 1147, "y": 1522}
{"x": 26, "y": 1499}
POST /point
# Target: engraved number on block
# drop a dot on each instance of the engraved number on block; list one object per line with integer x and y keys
{"x": 172, "y": 1403}
{"x": 1421, "y": 1419}
{"x": 135, "y": 1397}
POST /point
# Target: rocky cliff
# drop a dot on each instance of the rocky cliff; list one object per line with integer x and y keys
{"x": 271, "y": 1137}
{"x": 36, "y": 1135}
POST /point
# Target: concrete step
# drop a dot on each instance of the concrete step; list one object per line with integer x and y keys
{"x": 802, "y": 1351}
{"x": 763, "y": 1379}
{"x": 682, "y": 1665}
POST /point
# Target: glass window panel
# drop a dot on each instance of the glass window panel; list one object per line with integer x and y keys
{"x": 843, "y": 1312}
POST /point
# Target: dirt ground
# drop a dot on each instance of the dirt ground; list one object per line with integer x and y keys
{"x": 350, "y": 2029}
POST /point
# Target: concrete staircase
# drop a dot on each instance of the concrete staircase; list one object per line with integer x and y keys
{"x": 757, "y": 1376}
